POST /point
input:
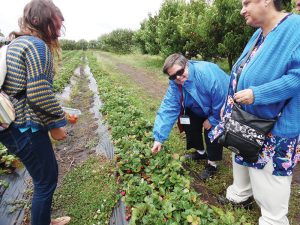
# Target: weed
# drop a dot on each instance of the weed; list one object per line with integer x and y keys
{"x": 89, "y": 192}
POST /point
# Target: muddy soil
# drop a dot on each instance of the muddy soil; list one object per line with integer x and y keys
{"x": 82, "y": 137}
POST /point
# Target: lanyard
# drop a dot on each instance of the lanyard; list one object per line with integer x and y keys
{"x": 182, "y": 100}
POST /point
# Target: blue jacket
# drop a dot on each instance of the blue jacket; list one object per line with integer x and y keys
{"x": 274, "y": 76}
{"x": 207, "y": 85}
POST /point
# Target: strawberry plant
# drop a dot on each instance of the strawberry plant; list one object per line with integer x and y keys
{"x": 8, "y": 162}
{"x": 66, "y": 70}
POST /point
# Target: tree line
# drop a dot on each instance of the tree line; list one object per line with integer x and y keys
{"x": 195, "y": 28}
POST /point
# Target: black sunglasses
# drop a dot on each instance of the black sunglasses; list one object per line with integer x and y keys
{"x": 178, "y": 73}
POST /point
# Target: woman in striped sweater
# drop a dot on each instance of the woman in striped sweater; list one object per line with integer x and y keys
{"x": 29, "y": 79}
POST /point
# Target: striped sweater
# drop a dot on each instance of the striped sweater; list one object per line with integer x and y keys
{"x": 30, "y": 71}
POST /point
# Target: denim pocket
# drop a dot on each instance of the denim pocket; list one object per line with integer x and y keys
{"x": 14, "y": 140}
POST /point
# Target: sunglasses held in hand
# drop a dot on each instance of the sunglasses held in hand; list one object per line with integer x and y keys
{"x": 178, "y": 73}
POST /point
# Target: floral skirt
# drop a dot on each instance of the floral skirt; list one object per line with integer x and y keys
{"x": 285, "y": 153}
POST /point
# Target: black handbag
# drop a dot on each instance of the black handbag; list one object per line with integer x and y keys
{"x": 244, "y": 133}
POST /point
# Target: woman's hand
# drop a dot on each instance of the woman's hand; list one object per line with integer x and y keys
{"x": 245, "y": 97}
{"x": 58, "y": 134}
{"x": 206, "y": 124}
{"x": 156, "y": 147}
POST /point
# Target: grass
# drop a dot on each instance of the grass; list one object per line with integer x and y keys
{"x": 152, "y": 64}
{"x": 294, "y": 204}
{"x": 89, "y": 192}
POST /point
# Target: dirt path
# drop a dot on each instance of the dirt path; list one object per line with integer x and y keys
{"x": 141, "y": 77}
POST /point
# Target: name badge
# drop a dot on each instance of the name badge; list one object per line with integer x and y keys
{"x": 184, "y": 120}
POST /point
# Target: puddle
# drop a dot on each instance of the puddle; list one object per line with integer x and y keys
{"x": 65, "y": 96}
{"x": 104, "y": 145}
{"x": 94, "y": 88}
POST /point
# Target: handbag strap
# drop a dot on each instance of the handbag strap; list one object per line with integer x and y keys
{"x": 240, "y": 68}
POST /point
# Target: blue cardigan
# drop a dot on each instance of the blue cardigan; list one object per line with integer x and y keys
{"x": 207, "y": 84}
{"x": 274, "y": 76}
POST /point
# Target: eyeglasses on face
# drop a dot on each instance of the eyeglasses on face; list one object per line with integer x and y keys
{"x": 178, "y": 73}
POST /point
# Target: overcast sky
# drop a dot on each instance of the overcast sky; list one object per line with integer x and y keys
{"x": 86, "y": 19}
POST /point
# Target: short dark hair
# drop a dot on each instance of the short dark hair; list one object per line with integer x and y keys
{"x": 173, "y": 59}
{"x": 280, "y": 3}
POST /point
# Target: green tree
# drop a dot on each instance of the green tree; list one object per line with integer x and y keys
{"x": 82, "y": 44}
{"x": 190, "y": 29}
{"x": 139, "y": 38}
{"x": 225, "y": 31}
{"x": 146, "y": 37}
{"x": 102, "y": 40}
{"x": 168, "y": 32}
{"x": 93, "y": 44}
{"x": 119, "y": 41}
{"x": 67, "y": 44}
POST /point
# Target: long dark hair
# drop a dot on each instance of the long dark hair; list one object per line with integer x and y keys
{"x": 39, "y": 17}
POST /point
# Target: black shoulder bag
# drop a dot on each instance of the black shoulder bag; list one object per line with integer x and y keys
{"x": 244, "y": 133}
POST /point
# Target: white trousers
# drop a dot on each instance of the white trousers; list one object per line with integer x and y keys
{"x": 271, "y": 193}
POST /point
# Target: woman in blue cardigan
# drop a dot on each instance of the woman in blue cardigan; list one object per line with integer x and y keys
{"x": 269, "y": 84}
{"x": 196, "y": 93}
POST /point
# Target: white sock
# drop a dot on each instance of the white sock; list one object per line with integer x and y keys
{"x": 212, "y": 163}
{"x": 201, "y": 152}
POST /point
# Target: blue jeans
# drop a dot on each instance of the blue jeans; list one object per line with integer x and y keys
{"x": 36, "y": 153}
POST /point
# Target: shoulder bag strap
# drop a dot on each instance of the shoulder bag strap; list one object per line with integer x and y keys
{"x": 240, "y": 69}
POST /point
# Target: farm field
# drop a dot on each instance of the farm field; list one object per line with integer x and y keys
{"x": 160, "y": 189}
{"x": 146, "y": 72}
